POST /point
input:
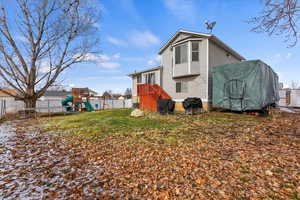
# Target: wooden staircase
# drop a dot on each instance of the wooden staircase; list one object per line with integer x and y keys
{"x": 149, "y": 94}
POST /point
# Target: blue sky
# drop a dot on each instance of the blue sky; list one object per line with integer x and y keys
{"x": 132, "y": 32}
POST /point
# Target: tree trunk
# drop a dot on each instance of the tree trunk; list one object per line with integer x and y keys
{"x": 30, "y": 103}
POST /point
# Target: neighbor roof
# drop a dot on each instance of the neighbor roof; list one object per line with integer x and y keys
{"x": 209, "y": 36}
{"x": 11, "y": 91}
{"x": 146, "y": 70}
{"x": 56, "y": 93}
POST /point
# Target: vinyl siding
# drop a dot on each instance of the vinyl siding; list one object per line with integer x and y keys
{"x": 197, "y": 85}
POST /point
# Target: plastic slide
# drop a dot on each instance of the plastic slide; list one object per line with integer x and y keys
{"x": 88, "y": 106}
{"x": 65, "y": 103}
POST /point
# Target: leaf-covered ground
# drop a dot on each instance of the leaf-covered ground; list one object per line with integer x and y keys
{"x": 108, "y": 155}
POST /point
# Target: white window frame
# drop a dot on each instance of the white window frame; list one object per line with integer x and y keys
{"x": 139, "y": 79}
{"x": 181, "y": 58}
{"x": 195, "y": 51}
{"x": 147, "y": 76}
{"x": 183, "y": 86}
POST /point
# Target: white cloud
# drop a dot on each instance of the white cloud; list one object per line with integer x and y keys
{"x": 143, "y": 38}
{"x": 115, "y": 41}
{"x": 44, "y": 67}
{"x": 288, "y": 55}
{"x": 155, "y": 60}
{"x": 104, "y": 60}
{"x": 110, "y": 65}
{"x": 116, "y": 56}
{"x": 184, "y": 10}
{"x": 22, "y": 38}
{"x": 97, "y": 25}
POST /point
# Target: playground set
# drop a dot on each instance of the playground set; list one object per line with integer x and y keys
{"x": 79, "y": 101}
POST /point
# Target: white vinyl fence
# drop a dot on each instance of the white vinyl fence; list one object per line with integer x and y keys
{"x": 289, "y": 98}
{"x": 10, "y": 105}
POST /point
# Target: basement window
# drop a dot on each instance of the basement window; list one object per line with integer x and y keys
{"x": 181, "y": 87}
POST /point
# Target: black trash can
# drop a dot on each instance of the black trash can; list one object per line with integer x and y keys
{"x": 165, "y": 106}
{"x": 192, "y": 105}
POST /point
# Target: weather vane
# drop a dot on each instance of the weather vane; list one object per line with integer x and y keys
{"x": 210, "y": 26}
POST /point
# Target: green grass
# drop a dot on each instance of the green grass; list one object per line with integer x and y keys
{"x": 105, "y": 122}
{"x": 153, "y": 128}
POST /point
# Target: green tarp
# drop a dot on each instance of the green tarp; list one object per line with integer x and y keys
{"x": 242, "y": 86}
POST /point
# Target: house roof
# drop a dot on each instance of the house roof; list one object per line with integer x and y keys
{"x": 209, "y": 36}
{"x": 146, "y": 70}
{"x": 11, "y": 91}
{"x": 56, "y": 93}
{"x": 92, "y": 91}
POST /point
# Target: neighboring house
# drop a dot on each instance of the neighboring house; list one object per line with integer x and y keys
{"x": 83, "y": 92}
{"x": 289, "y": 97}
{"x": 107, "y": 95}
{"x": 185, "y": 71}
{"x": 92, "y": 93}
{"x": 12, "y": 105}
{"x": 121, "y": 98}
{"x": 56, "y": 95}
{"x": 5, "y": 96}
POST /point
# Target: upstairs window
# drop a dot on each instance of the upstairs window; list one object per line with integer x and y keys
{"x": 182, "y": 87}
{"x": 195, "y": 51}
{"x": 149, "y": 78}
{"x": 181, "y": 54}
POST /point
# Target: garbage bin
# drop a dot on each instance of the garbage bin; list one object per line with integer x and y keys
{"x": 165, "y": 106}
{"x": 192, "y": 105}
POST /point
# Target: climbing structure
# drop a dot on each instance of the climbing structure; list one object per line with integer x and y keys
{"x": 80, "y": 100}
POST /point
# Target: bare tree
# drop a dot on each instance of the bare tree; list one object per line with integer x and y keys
{"x": 43, "y": 40}
{"x": 128, "y": 93}
{"x": 279, "y": 17}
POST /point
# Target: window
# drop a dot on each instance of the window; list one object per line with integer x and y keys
{"x": 139, "y": 79}
{"x": 181, "y": 54}
{"x": 182, "y": 87}
{"x": 195, "y": 51}
{"x": 150, "y": 78}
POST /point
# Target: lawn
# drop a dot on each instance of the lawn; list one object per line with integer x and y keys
{"x": 170, "y": 129}
{"x": 215, "y": 155}
{"x": 96, "y": 125}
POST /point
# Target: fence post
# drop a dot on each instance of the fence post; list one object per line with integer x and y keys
{"x": 2, "y": 108}
{"x": 49, "y": 107}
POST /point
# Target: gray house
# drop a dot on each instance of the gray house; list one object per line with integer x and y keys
{"x": 185, "y": 71}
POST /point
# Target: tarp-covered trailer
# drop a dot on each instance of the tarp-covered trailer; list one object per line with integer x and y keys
{"x": 244, "y": 86}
